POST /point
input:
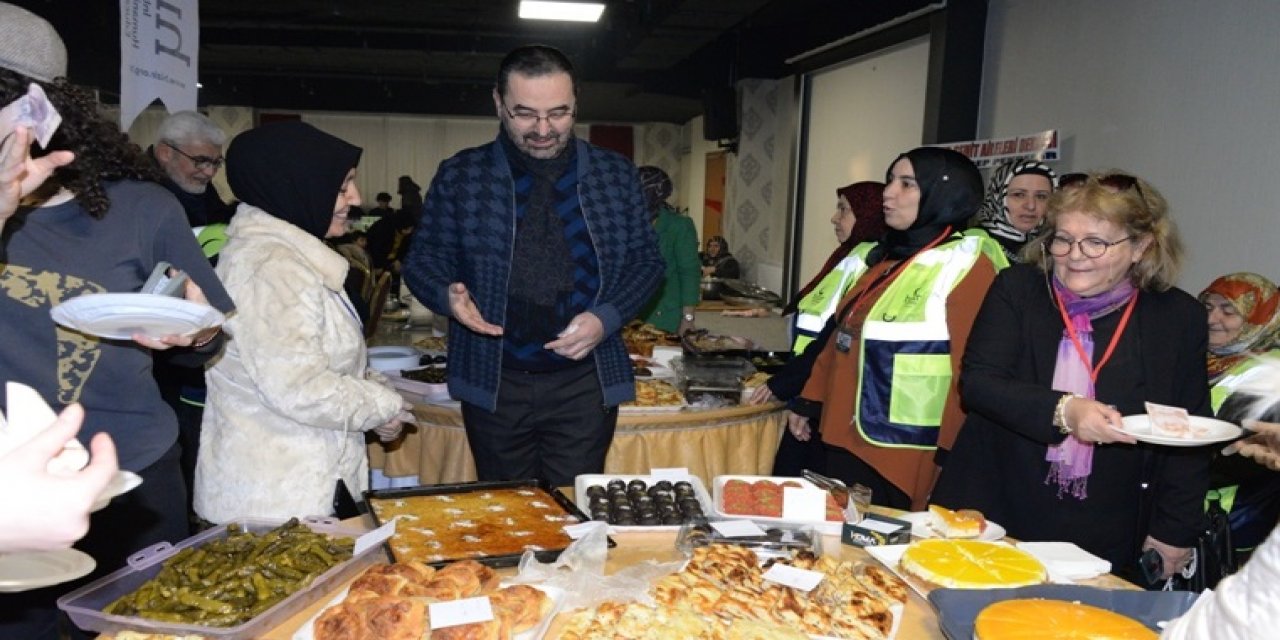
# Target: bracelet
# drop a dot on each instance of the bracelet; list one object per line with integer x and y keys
{"x": 205, "y": 343}
{"x": 1060, "y": 413}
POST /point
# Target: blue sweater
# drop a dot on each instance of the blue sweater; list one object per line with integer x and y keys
{"x": 467, "y": 235}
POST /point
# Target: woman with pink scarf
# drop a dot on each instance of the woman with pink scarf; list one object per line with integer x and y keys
{"x": 1064, "y": 346}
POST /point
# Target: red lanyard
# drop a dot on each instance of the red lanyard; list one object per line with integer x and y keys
{"x": 1115, "y": 338}
{"x": 853, "y": 306}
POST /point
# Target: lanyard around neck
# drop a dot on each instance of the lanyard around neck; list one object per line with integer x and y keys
{"x": 889, "y": 276}
{"x": 1115, "y": 338}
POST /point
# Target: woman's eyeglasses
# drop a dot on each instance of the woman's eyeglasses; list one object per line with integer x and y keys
{"x": 1116, "y": 181}
{"x": 1061, "y": 247}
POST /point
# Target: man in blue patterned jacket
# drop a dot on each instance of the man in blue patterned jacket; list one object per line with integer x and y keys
{"x": 537, "y": 246}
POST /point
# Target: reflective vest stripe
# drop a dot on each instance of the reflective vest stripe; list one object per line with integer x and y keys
{"x": 821, "y": 303}
{"x": 905, "y": 350}
{"x": 1240, "y": 374}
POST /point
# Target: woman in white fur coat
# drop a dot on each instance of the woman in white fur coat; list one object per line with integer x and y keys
{"x": 291, "y": 398}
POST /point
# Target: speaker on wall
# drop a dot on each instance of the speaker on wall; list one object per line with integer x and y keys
{"x": 720, "y": 114}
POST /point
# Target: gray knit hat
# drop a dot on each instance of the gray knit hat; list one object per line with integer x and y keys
{"x": 29, "y": 45}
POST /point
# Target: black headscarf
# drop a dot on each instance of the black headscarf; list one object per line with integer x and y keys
{"x": 292, "y": 171}
{"x": 950, "y": 193}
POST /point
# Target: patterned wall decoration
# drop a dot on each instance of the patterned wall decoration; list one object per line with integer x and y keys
{"x": 659, "y": 145}
{"x": 756, "y": 214}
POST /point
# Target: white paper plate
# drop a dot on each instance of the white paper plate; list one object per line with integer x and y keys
{"x": 117, "y": 316}
{"x": 1139, "y": 426}
{"x": 394, "y": 358}
{"x": 920, "y": 527}
{"x": 122, "y": 483}
{"x": 23, "y": 571}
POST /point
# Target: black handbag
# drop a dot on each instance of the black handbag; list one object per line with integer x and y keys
{"x": 1214, "y": 557}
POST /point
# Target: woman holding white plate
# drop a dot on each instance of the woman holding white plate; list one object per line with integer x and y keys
{"x": 1064, "y": 346}
{"x": 292, "y": 397}
{"x": 98, "y": 224}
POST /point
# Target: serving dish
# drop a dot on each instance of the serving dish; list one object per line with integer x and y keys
{"x": 583, "y": 482}
{"x": 85, "y": 605}
{"x": 825, "y": 527}
{"x": 394, "y": 358}
{"x": 490, "y": 522}
{"x": 957, "y": 608}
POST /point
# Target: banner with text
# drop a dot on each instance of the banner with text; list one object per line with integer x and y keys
{"x": 159, "y": 47}
{"x": 1041, "y": 146}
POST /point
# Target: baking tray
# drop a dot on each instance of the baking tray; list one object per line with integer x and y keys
{"x": 85, "y": 605}
{"x": 495, "y": 560}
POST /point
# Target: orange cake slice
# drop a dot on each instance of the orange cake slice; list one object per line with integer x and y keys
{"x": 971, "y": 564}
{"x": 1036, "y": 619}
{"x": 965, "y": 523}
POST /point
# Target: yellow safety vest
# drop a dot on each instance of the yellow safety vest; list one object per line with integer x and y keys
{"x": 905, "y": 349}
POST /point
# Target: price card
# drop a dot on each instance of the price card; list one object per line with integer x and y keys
{"x": 375, "y": 537}
{"x": 879, "y": 526}
{"x": 456, "y": 612}
{"x": 807, "y": 504}
{"x": 670, "y": 474}
{"x": 789, "y": 576}
{"x": 737, "y": 528}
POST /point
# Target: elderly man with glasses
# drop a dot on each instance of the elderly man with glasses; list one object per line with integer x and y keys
{"x": 537, "y": 246}
{"x": 189, "y": 150}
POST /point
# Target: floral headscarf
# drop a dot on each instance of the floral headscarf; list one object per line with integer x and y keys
{"x": 994, "y": 214}
{"x": 1257, "y": 300}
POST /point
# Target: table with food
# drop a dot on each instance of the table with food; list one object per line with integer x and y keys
{"x": 688, "y": 412}
{"x": 659, "y": 550}
{"x": 621, "y": 556}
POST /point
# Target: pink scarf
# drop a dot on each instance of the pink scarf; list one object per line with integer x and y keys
{"x": 1071, "y": 462}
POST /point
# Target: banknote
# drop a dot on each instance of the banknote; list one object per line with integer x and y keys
{"x": 32, "y": 110}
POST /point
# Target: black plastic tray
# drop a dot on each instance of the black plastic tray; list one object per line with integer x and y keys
{"x": 507, "y": 560}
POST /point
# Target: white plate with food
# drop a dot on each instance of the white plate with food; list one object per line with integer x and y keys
{"x": 118, "y": 316}
{"x": 1199, "y": 431}
{"x": 926, "y": 525}
{"x": 33, "y": 570}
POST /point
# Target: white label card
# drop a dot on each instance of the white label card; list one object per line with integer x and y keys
{"x": 737, "y": 528}
{"x": 806, "y": 504}
{"x": 670, "y": 474}
{"x": 375, "y": 537}
{"x": 789, "y": 576}
{"x": 879, "y": 526}
{"x": 456, "y": 612}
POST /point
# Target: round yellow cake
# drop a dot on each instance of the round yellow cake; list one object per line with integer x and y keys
{"x": 1036, "y": 619}
{"x": 972, "y": 564}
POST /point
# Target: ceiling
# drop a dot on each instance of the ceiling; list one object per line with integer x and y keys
{"x": 647, "y": 60}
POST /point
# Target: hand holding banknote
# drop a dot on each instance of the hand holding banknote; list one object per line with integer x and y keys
{"x": 27, "y": 119}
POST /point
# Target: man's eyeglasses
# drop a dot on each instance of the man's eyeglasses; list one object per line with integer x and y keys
{"x": 203, "y": 163}
{"x": 1115, "y": 181}
{"x": 1061, "y": 247}
{"x": 555, "y": 117}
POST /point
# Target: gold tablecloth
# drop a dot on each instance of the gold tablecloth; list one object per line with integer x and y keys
{"x": 733, "y": 440}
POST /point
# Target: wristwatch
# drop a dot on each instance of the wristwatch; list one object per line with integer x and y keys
{"x": 688, "y": 317}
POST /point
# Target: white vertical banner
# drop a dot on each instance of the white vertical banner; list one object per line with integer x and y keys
{"x": 159, "y": 46}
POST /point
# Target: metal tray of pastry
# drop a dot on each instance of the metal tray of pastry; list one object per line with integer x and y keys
{"x": 454, "y": 526}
